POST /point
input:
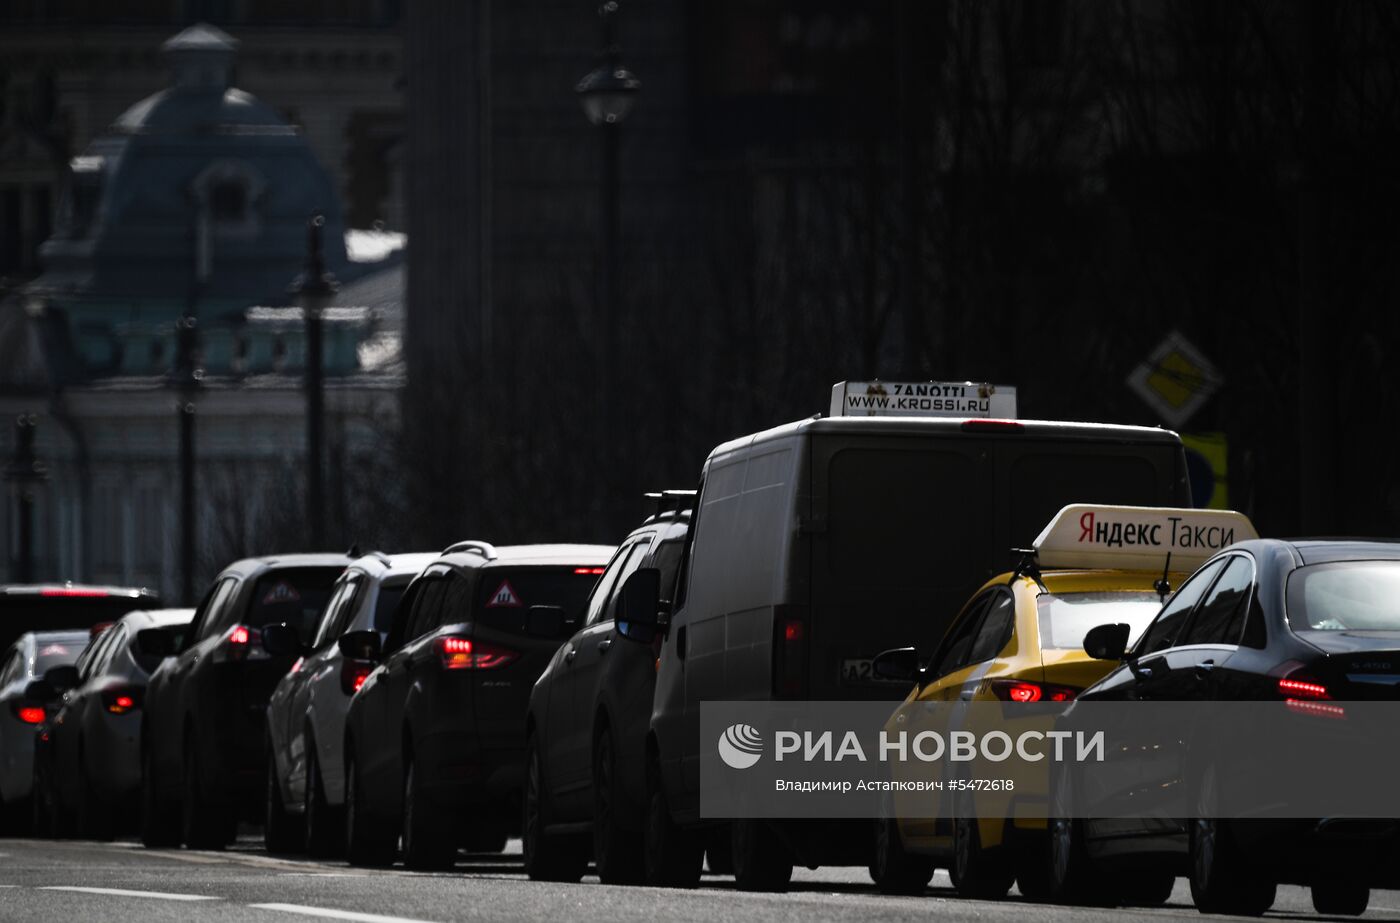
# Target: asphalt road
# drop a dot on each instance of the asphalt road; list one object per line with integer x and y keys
{"x": 75, "y": 880}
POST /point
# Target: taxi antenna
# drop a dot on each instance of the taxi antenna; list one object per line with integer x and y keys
{"x": 1163, "y": 586}
{"x": 1026, "y": 563}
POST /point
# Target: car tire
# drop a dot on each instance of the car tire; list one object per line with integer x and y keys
{"x": 16, "y": 817}
{"x": 1071, "y": 876}
{"x": 1340, "y": 898}
{"x": 368, "y": 841}
{"x": 282, "y": 832}
{"x": 52, "y": 818}
{"x": 325, "y": 825}
{"x": 616, "y": 849}
{"x": 41, "y": 824}
{"x": 719, "y": 851}
{"x": 1221, "y": 879}
{"x": 487, "y": 839}
{"x": 671, "y": 854}
{"x": 895, "y": 870}
{"x": 762, "y": 860}
{"x": 978, "y": 872}
{"x": 426, "y": 845}
{"x": 547, "y": 857}
{"x": 1146, "y": 888}
{"x": 160, "y": 817}
{"x": 207, "y": 822}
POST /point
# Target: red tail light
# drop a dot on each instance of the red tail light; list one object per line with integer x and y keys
{"x": 594, "y": 571}
{"x": 466, "y": 654}
{"x": 29, "y": 714}
{"x": 241, "y": 643}
{"x": 1019, "y": 690}
{"x": 353, "y": 674}
{"x": 1298, "y": 687}
{"x": 789, "y": 653}
{"x": 121, "y": 701}
{"x": 100, "y": 627}
{"x": 239, "y": 635}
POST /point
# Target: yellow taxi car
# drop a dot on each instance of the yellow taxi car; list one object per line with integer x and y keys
{"x": 1020, "y": 640}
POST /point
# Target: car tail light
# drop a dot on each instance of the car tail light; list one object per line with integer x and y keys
{"x": 594, "y": 571}
{"x": 100, "y": 627}
{"x": 29, "y": 714}
{"x": 1306, "y": 695}
{"x": 1302, "y": 687}
{"x": 121, "y": 701}
{"x": 466, "y": 654}
{"x": 353, "y": 674}
{"x": 790, "y": 640}
{"x": 1020, "y": 690}
{"x": 241, "y": 643}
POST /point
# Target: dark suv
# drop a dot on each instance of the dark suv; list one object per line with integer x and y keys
{"x": 205, "y": 724}
{"x": 588, "y": 720}
{"x": 435, "y": 738}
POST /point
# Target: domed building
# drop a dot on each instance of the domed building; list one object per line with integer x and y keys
{"x": 196, "y": 201}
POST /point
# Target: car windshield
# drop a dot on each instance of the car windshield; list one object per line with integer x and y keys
{"x": 1347, "y": 595}
{"x": 1065, "y": 618}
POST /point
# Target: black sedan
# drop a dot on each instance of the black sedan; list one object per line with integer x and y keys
{"x": 1262, "y": 620}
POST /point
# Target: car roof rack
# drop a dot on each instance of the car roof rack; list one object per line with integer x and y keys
{"x": 472, "y": 546}
{"x": 669, "y": 501}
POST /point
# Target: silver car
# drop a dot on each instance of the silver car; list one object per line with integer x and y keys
{"x": 26, "y": 702}
{"x": 306, "y": 714}
{"x": 88, "y": 773}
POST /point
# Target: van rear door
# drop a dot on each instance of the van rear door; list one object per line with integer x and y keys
{"x": 908, "y": 526}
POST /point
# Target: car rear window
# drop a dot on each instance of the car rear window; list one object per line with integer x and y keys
{"x": 57, "y": 652}
{"x": 385, "y": 606}
{"x": 506, "y": 593}
{"x": 1345, "y": 596}
{"x": 1065, "y": 618}
{"x": 26, "y": 611}
{"x": 295, "y": 596}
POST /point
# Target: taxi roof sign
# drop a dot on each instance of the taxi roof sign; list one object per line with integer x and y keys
{"x": 1088, "y": 535}
{"x": 922, "y": 399}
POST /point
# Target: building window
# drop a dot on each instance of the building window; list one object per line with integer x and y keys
{"x": 228, "y": 202}
{"x": 227, "y": 192}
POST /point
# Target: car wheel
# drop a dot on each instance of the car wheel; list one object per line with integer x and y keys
{"x": 53, "y": 819}
{"x": 977, "y": 872}
{"x": 426, "y": 846}
{"x": 894, "y": 870}
{"x": 547, "y": 857}
{"x": 368, "y": 842}
{"x": 616, "y": 849}
{"x": 281, "y": 832}
{"x": 1071, "y": 875}
{"x": 1146, "y": 888}
{"x": 1221, "y": 879}
{"x": 1340, "y": 898}
{"x": 762, "y": 860}
{"x": 40, "y": 810}
{"x": 160, "y": 817}
{"x": 16, "y": 817}
{"x": 325, "y": 826}
{"x": 672, "y": 855}
{"x": 719, "y": 851}
{"x": 207, "y": 823}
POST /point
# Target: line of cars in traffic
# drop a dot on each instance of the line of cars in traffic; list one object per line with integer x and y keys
{"x": 415, "y": 705}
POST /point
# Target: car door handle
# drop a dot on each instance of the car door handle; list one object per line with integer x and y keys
{"x": 603, "y": 645}
{"x": 1204, "y": 668}
{"x": 570, "y": 654}
{"x": 966, "y": 695}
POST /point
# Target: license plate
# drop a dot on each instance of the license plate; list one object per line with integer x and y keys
{"x": 857, "y": 670}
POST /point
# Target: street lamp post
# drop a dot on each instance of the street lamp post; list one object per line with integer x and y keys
{"x": 314, "y": 289}
{"x": 25, "y": 472}
{"x": 607, "y": 94}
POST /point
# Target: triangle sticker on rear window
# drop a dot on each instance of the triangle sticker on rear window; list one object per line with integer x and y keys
{"x": 504, "y": 596}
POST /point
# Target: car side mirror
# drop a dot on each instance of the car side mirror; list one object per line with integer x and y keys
{"x": 548, "y": 622}
{"x": 157, "y": 643}
{"x": 1107, "y": 642}
{"x": 900, "y": 665}
{"x": 62, "y": 678}
{"x": 282, "y": 640}
{"x": 639, "y": 605}
{"x": 360, "y": 645}
{"x": 40, "y": 690}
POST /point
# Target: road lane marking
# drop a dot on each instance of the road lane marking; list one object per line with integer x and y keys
{"x": 330, "y": 914}
{"x": 123, "y": 892}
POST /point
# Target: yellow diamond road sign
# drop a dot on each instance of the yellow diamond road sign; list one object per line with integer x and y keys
{"x": 1175, "y": 380}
